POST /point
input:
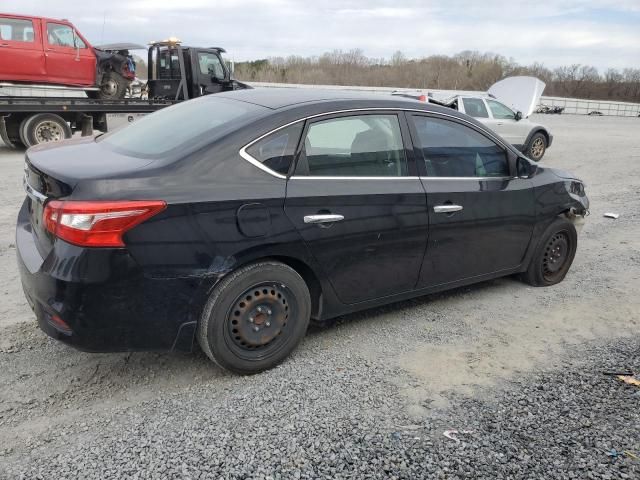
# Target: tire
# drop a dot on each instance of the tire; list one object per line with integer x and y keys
{"x": 255, "y": 317}
{"x": 554, "y": 254}
{"x": 45, "y": 128}
{"x": 113, "y": 86}
{"x": 24, "y": 128}
{"x": 537, "y": 147}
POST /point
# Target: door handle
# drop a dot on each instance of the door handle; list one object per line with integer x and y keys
{"x": 4, "y": 44}
{"x": 447, "y": 208}
{"x": 323, "y": 218}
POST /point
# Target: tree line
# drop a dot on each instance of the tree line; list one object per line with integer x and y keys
{"x": 468, "y": 70}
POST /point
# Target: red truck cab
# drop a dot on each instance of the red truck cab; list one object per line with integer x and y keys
{"x": 44, "y": 50}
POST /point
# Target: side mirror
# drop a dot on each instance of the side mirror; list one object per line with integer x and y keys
{"x": 518, "y": 116}
{"x": 525, "y": 169}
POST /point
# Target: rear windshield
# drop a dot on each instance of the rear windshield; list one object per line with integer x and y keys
{"x": 182, "y": 128}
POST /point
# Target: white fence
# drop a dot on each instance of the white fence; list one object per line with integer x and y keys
{"x": 574, "y": 106}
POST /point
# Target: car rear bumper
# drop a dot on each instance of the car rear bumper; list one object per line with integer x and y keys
{"x": 100, "y": 300}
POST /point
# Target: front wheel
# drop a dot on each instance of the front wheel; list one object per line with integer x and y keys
{"x": 537, "y": 147}
{"x": 554, "y": 254}
{"x": 113, "y": 87}
{"x": 255, "y": 317}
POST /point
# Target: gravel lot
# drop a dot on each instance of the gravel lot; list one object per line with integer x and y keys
{"x": 369, "y": 396}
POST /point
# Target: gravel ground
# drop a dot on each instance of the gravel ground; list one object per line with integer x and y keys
{"x": 369, "y": 395}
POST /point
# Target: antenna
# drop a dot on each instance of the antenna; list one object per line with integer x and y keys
{"x": 104, "y": 20}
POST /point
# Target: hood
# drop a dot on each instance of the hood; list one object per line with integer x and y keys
{"x": 563, "y": 174}
{"x": 116, "y": 47}
{"x": 520, "y": 93}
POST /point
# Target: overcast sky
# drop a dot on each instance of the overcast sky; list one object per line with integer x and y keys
{"x": 604, "y": 33}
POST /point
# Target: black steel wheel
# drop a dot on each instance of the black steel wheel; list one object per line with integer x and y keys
{"x": 258, "y": 318}
{"x": 255, "y": 317}
{"x": 554, "y": 255}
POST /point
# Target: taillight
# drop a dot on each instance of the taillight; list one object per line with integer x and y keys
{"x": 97, "y": 224}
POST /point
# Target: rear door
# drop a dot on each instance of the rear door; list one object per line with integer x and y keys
{"x": 21, "y": 50}
{"x": 481, "y": 217}
{"x": 357, "y": 202}
{"x": 69, "y": 60}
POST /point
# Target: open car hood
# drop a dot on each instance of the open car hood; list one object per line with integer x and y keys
{"x": 520, "y": 93}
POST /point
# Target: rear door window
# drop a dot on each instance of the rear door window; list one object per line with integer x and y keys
{"x": 475, "y": 107}
{"x": 276, "y": 151}
{"x": 354, "y": 146}
{"x": 16, "y": 30}
{"x": 451, "y": 149}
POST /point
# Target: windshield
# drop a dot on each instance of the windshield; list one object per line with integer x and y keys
{"x": 181, "y": 128}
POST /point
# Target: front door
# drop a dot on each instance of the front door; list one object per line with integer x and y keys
{"x": 481, "y": 217}
{"x": 68, "y": 58}
{"x": 210, "y": 73}
{"x": 358, "y": 204}
{"x": 20, "y": 50}
{"x": 503, "y": 121}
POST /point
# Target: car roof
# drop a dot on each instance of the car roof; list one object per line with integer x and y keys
{"x": 279, "y": 98}
{"x": 33, "y": 17}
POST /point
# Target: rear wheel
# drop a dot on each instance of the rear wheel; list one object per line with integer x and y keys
{"x": 113, "y": 87}
{"x": 255, "y": 317}
{"x": 554, "y": 255}
{"x": 44, "y": 128}
{"x": 537, "y": 147}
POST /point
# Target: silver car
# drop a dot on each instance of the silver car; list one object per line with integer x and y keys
{"x": 505, "y": 109}
{"x": 531, "y": 138}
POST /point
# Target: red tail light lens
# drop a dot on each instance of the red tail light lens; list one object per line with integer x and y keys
{"x": 97, "y": 224}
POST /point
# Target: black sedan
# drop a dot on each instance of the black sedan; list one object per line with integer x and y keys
{"x": 237, "y": 218}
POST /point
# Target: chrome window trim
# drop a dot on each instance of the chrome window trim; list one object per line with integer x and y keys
{"x": 303, "y": 177}
{"x": 480, "y": 179}
{"x": 32, "y": 192}
{"x": 243, "y": 151}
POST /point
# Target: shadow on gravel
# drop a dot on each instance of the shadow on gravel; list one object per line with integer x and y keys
{"x": 452, "y": 295}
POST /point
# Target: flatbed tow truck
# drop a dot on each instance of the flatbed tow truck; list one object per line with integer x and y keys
{"x": 175, "y": 73}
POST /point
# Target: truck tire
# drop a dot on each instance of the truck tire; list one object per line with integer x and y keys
{"x": 537, "y": 147}
{"x": 24, "y": 128}
{"x": 113, "y": 87}
{"x": 255, "y": 317}
{"x": 45, "y": 128}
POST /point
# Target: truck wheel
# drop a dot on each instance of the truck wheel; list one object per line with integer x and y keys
{"x": 24, "y": 128}
{"x": 45, "y": 128}
{"x": 113, "y": 87}
{"x": 255, "y": 317}
{"x": 537, "y": 146}
{"x": 554, "y": 254}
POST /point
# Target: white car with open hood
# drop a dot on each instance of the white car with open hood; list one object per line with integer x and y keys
{"x": 505, "y": 109}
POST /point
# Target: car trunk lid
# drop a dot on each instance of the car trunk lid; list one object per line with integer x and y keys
{"x": 53, "y": 171}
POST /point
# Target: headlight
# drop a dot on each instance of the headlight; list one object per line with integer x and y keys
{"x": 577, "y": 188}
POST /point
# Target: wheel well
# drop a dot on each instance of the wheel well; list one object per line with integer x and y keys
{"x": 542, "y": 131}
{"x": 310, "y": 278}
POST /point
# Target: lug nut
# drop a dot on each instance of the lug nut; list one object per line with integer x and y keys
{"x": 269, "y": 312}
{"x": 255, "y": 329}
{"x": 250, "y": 319}
{"x": 267, "y": 324}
